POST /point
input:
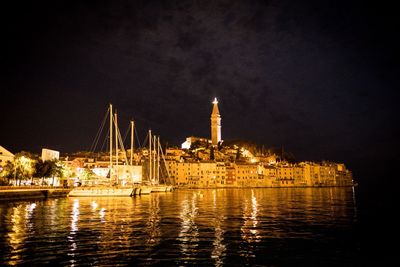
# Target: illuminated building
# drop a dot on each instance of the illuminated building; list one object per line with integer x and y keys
{"x": 246, "y": 174}
{"x": 215, "y": 124}
{"x": 192, "y": 139}
{"x": 205, "y": 174}
{"x": 215, "y": 130}
{"x": 48, "y": 154}
{"x": 5, "y": 156}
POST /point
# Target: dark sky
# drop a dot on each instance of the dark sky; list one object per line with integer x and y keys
{"x": 319, "y": 78}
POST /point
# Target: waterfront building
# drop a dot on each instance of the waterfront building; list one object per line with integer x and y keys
{"x": 187, "y": 173}
{"x": 230, "y": 173}
{"x": 195, "y": 169}
{"x": 206, "y": 173}
{"x": 343, "y": 176}
{"x": 5, "y": 156}
{"x": 327, "y": 174}
{"x": 220, "y": 175}
{"x": 335, "y": 174}
{"x": 310, "y": 171}
{"x": 298, "y": 176}
{"x": 205, "y": 163}
{"x": 247, "y": 175}
{"x": 269, "y": 173}
{"x": 49, "y": 154}
{"x": 197, "y": 174}
{"x": 285, "y": 177}
{"x": 172, "y": 169}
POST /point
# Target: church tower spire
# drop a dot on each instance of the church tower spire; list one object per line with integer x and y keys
{"x": 215, "y": 124}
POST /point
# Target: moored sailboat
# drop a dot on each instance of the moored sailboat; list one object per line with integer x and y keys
{"x": 155, "y": 166}
{"x": 114, "y": 187}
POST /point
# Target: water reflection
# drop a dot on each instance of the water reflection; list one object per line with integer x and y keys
{"x": 189, "y": 233}
{"x": 73, "y": 231}
{"x": 249, "y": 229}
{"x": 207, "y": 227}
{"x": 28, "y": 216}
{"x": 153, "y": 221}
{"x": 74, "y": 217}
{"x": 17, "y": 235}
{"x": 218, "y": 246}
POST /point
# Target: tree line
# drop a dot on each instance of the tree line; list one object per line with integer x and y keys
{"x": 30, "y": 168}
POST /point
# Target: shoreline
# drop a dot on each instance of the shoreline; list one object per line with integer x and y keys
{"x": 44, "y": 193}
{"x": 32, "y": 193}
{"x": 253, "y": 187}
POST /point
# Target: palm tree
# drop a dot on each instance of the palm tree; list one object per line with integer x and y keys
{"x": 56, "y": 170}
{"x": 49, "y": 168}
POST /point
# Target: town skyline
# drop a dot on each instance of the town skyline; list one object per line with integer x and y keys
{"x": 214, "y": 137}
{"x": 318, "y": 79}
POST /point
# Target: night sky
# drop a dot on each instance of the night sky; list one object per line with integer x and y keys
{"x": 318, "y": 78}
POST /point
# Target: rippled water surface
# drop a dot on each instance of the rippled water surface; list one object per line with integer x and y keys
{"x": 271, "y": 227}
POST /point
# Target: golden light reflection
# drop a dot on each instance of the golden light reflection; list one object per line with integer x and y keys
{"x": 218, "y": 247}
{"x": 54, "y": 219}
{"x": 29, "y": 209}
{"x": 74, "y": 229}
{"x": 206, "y": 225}
{"x": 18, "y": 234}
{"x": 28, "y": 216}
{"x": 101, "y": 211}
{"x": 102, "y": 215}
{"x": 110, "y": 218}
{"x": 74, "y": 216}
{"x": 153, "y": 223}
{"x": 250, "y": 232}
{"x": 94, "y": 205}
{"x": 188, "y": 236}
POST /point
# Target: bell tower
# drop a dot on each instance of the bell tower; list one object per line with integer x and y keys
{"x": 215, "y": 124}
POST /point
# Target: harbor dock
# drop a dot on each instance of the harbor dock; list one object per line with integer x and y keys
{"x": 22, "y": 193}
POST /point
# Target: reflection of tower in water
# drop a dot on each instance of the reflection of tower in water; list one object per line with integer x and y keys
{"x": 249, "y": 230}
{"x": 218, "y": 247}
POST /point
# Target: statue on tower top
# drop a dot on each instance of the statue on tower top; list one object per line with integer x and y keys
{"x": 215, "y": 107}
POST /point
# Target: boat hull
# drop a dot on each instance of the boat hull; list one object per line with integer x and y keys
{"x": 159, "y": 188}
{"x": 145, "y": 190}
{"x": 101, "y": 192}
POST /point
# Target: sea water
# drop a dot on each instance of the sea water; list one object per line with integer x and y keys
{"x": 203, "y": 227}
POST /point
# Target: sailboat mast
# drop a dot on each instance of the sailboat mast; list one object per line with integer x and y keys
{"x": 158, "y": 159}
{"x": 154, "y": 158}
{"x": 111, "y": 142}
{"x": 132, "y": 131}
{"x": 116, "y": 145}
{"x": 150, "y": 141}
{"x": 165, "y": 165}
